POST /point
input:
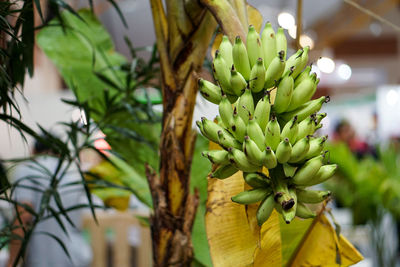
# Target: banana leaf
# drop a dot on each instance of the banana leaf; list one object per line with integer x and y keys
{"x": 79, "y": 50}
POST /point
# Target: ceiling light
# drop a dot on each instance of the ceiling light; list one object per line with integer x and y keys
{"x": 326, "y": 64}
{"x": 306, "y": 40}
{"x": 286, "y": 20}
{"x": 344, "y": 71}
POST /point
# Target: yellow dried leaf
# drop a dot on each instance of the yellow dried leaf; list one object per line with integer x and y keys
{"x": 229, "y": 235}
{"x": 215, "y": 46}
{"x": 255, "y": 18}
{"x": 118, "y": 203}
{"x": 321, "y": 247}
{"x": 292, "y": 235}
{"x": 269, "y": 251}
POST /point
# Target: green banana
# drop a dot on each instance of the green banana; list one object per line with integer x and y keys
{"x": 302, "y": 93}
{"x": 290, "y": 130}
{"x": 270, "y": 160}
{"x": 253, "y": 153}
{"x": 226, "y": 140}
{"x": 302, "y": 76}
{"x": 281, "y": 43}
{"x": 265, "y": 209}
{"x": 238, "y": 83}
{"x": 275, "y": 70}
{"x": 319, "y": 118}
{"x": 211, "y": 129}
{"x": 219, "y": 121}
{"x": 210, "y": 91}
{"x": 251, "y": 196}
{"x": 288, "y": 215}
{"x": 304, "y": 212}
{"x": 308, "y": 170}
{"x": 237, "y": 127}
{"x": 299, "y": 66}
{"x": 232, "y": 98}
{"x": 224, "y": 171}
{"x": 216, "y": 156}
{"x": 225, "y": 111}
{"x": 254, "y": 47}
{"x": 225, "y": 48}
{"x": 293, "y": 61}
{"x": 299, "y": 150}
{"x": 222, "y": 73}
{"x": 201, "y": 128}
{"x": 316, "y": 147}
{"x": 241, "y": 59}
{"x": 283, "y": 94}
{"x": 268, "y": 41}
{"x": 278, "y": 207}
{"x": 323, "y": 174}
{"x": 262, "y": 111}
{"x": 284, "y": 151}
{"x": 306, "y": 127}
{"x": 289, "y": 170}
{"x": 240, "y": 161}
{"x": 312, "y": 196}
{"x": 306, "y": 109}
{"x": 273, "y": 134}
{"x": 255, "y": 180}
{"x": 282, "y": 195}
{"x": 245, "y": 106}
{"x": 256, "y": 134}
{"x": 257, "y": 76}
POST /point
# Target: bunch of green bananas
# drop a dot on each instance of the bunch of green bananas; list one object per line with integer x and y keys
{"x": 255, "y": 133}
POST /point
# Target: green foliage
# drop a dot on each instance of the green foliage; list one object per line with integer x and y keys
{"x": 17, "y": 45}
{"x": 80, "y": 51}
{"x": 366, "y": 185}
{"x": 200, "y": 169}
{"x": 84, "y": 54}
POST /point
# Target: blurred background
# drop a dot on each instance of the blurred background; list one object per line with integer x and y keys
{"x": 356, "y": 57}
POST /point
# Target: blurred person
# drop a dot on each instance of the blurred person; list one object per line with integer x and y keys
{"x": 345, "y": 133}
{"x": 43, "y": 250}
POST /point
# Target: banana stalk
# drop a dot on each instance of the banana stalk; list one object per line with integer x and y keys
{"x": 183, "y": 32}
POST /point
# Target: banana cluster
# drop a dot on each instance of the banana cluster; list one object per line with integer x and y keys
{"x": 267, "y": 120}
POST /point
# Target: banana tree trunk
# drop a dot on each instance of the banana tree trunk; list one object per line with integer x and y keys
{"x": 183, "y": 30}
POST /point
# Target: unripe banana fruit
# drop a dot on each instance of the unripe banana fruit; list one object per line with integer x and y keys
{"x": 251, "y": 196}
{"x": 267, "y": 120}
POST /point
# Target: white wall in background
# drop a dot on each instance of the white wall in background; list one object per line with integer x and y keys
{"x": 388, "y": 108}
{"x": 44, "y": 108}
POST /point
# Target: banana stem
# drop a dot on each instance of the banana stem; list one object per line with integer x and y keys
{"x": 280, "y": 188}
{"x": 299, "y": 22}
